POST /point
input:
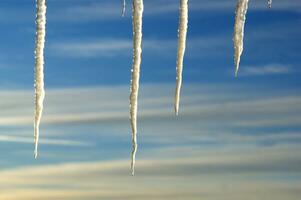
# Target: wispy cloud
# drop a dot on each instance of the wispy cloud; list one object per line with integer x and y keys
{"x": 203, "y": 107}
{"x": 179, "y": 178}
{"x": 225, "y": 132}
{"x": 107, "y": 47}
{"x": 247, "y": 161}
{"x": 22, "y": 139}
{"x": 68, "y": 105}
{"x": 265, "y": 70}
{"x": 111, "y": 10}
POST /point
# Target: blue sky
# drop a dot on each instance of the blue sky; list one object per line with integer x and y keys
{"x": 235, "y": 138}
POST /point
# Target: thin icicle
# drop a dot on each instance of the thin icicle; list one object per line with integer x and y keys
{"x": 182, "y": 32}
{"x": 240, "y": 18}
{"x": 39, "y": 68}
{"x": 137, "y": 34}
{"x": 270, "y": 3}
{"x": 123, "y": 8}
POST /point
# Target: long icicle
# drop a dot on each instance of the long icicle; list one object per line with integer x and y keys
{"x": 137, "y": 41}
{"x": 39, "y": 68}
{"x": 240, "y": 18}
{"x": 182, "y": 32}
{"x": 270, "y": 3}
{"x": 123, "y": 8}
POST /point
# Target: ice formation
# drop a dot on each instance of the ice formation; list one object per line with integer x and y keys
{"x": 137, "y": 50}
{"x": 270, "y": 3}
{"x": 137, "y": 12}
{"x": 39, "y": 68}
{"x": 182, "y": 32}
{"x": 123, "y": 8}
{"x": 240, "y": 18}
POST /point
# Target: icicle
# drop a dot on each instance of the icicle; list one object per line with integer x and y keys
{"x": 39, "y": 67}
{"x": 270, "y": 3}
{"x": 137, "y": 34}
{"x": 240, "y": 18}
{"x": 123, "y": 8}
{"x": 182, "y": 32}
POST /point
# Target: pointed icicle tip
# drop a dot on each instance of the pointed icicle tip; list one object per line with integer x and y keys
{"x": 182, "y": 34}
{"x": 236, "y": 73}
{"x": 35, "y": 155}
{"x": 236, "y": 68}
{"x": 133, "y": 172}
{"x": 133, "y": 159}
{"x": 39, "y": 68}
{"x": 137, "y": 51}
{"x": 238, "y": 36}
{"x": 36, "y": 143}
{"x": 176, "y": 111}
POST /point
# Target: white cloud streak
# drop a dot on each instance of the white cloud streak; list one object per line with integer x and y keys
{"x": 115, "y": 47}
{"x": 179, "y": 177}
{"x": 22, "y": 139}
{"x": 266, "y": 70}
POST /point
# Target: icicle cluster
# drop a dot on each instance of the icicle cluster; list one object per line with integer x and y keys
{"x": 137, "y": 41}
{"x": 182, "y": 32}
{"x": 240, "y": 18}
{"x": 270, "y": 3}
{"x": 39, "y": 68}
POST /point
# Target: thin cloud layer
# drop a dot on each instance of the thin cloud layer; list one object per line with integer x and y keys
{"x": 212, "y": 116}
{"x": 222, "y": 147}
{"x": 22, "y": 139}
{"x": 249, "y": 173}
{"x": 68, "y": 105}
{"x": 265, "y": 70}
{"x": 110, "y": 10}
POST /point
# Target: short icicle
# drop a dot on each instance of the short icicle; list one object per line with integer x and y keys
{"x": 39, "y": 69}
{"x": 137, "y": 50}
{"x": 240, "y": 18}
{"x": 123, "y": 8}
{"x": 182, "y": 32}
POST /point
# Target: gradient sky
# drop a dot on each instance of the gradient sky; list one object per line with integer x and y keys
{"x": 235, "y": 138}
